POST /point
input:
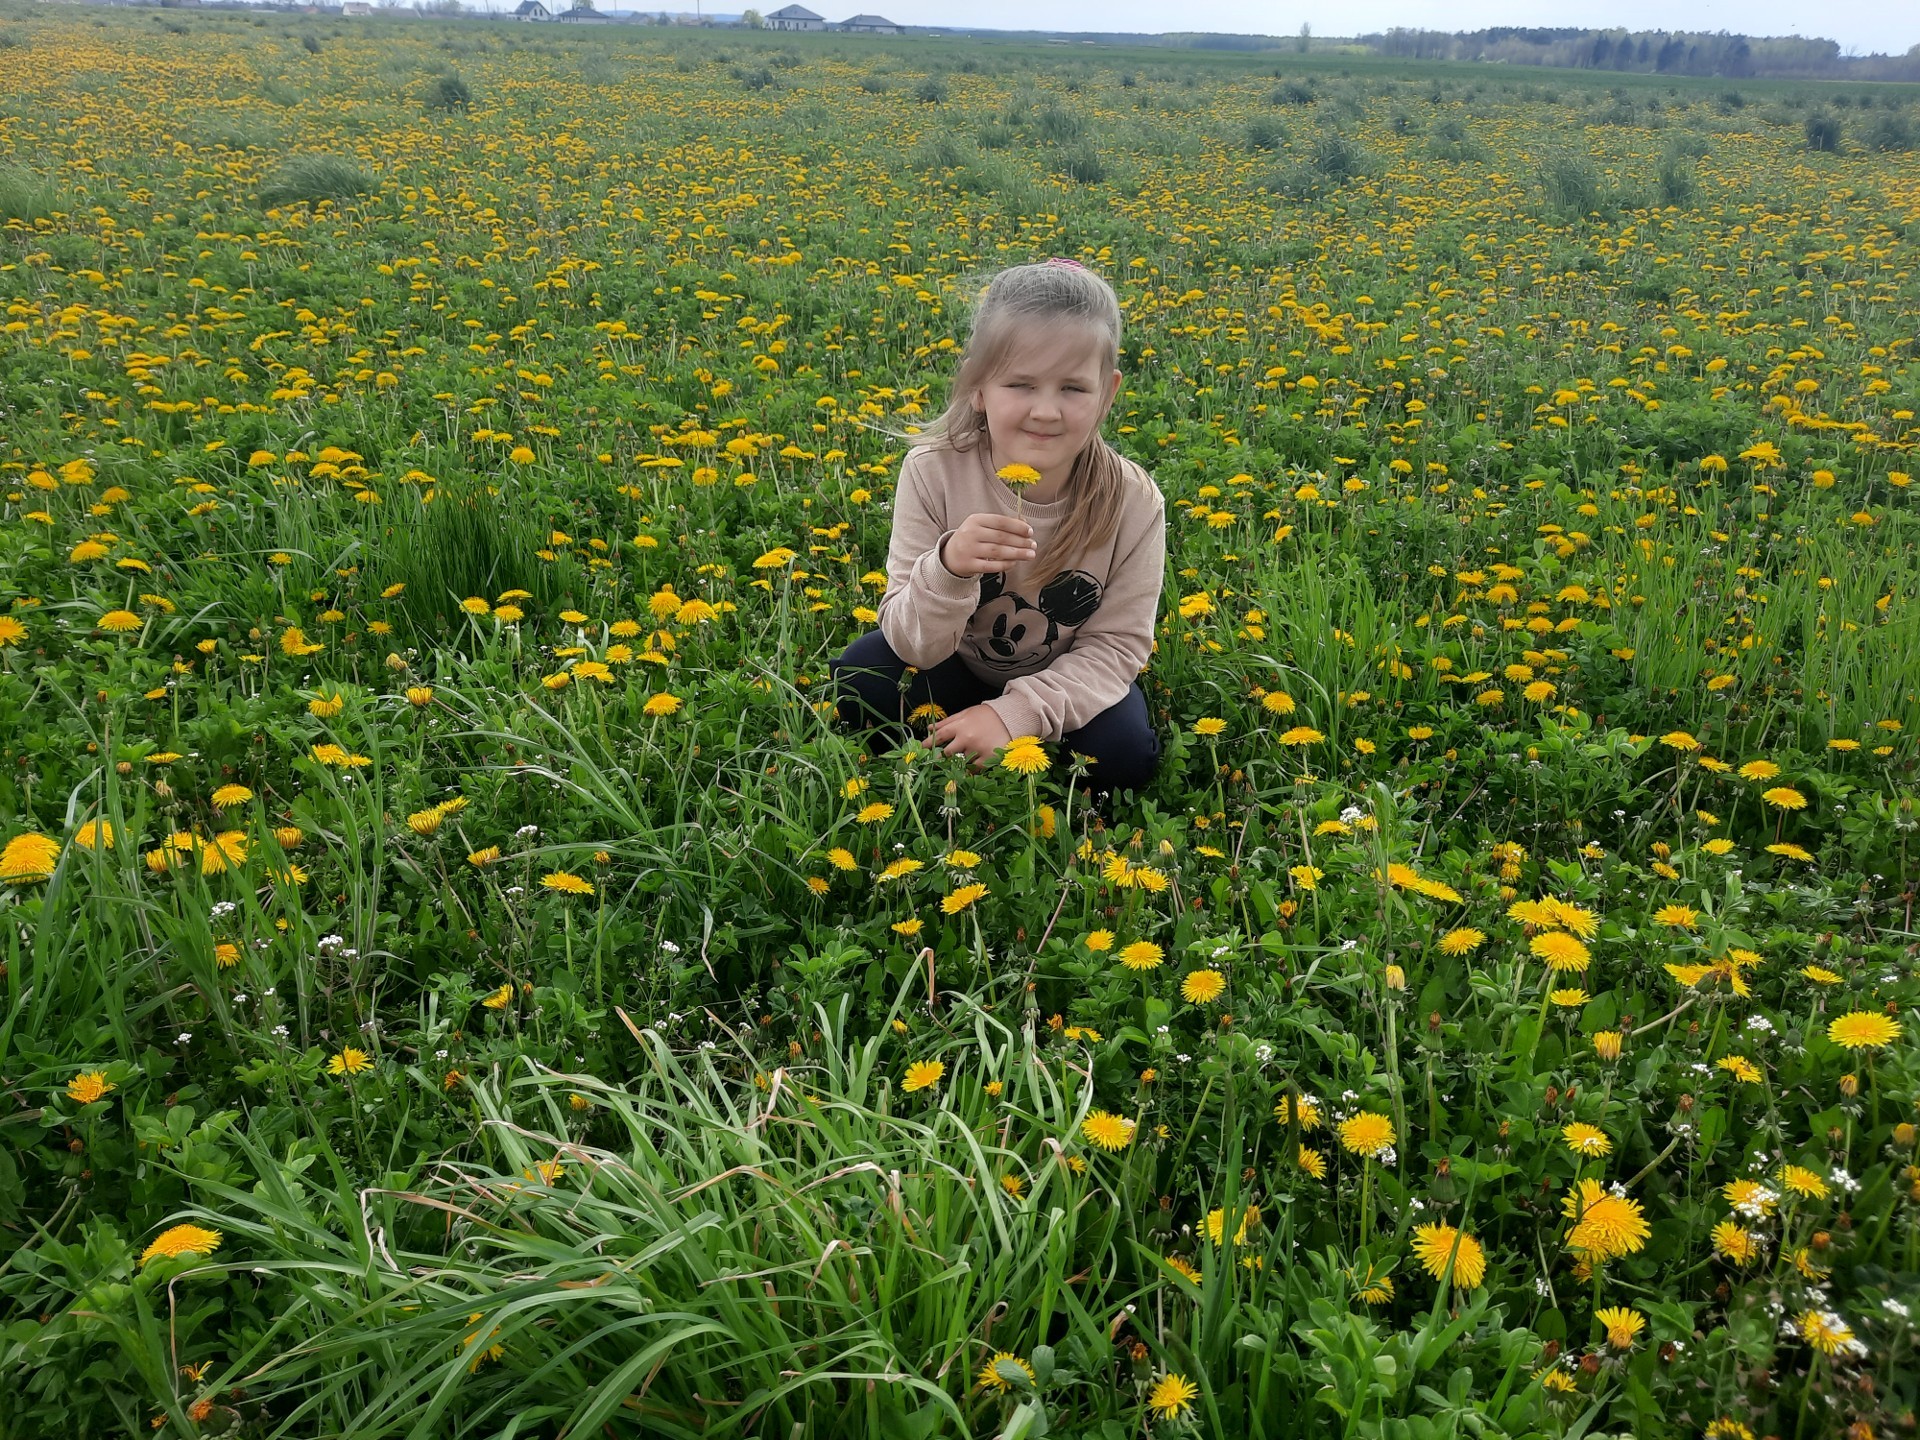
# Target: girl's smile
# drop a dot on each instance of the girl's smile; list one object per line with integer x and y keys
{"x": 1046, "y": 404}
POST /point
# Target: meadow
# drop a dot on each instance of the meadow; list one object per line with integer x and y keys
{"x": 458, "y": 980}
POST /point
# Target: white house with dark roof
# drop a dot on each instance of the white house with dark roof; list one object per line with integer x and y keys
{"x": 795, "y": 17}
{"x": 870, "y": 25}
{"x": 532, "y": 10}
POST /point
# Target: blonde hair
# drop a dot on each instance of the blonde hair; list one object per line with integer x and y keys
{"x": 1051, "y": 293}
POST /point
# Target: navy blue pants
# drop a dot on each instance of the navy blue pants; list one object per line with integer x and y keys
{"x": 874, "y": 689}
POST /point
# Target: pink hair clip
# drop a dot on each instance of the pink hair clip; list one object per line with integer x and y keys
{"x": 1065, "y": 263}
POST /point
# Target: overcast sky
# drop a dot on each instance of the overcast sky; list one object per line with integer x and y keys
{"x": 1888, "y": 26}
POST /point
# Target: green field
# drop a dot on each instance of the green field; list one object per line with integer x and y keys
{"x": 458, "y": 980}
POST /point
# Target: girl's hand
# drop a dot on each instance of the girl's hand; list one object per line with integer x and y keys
{"x": 986, "y": 543}
{"x": 975, "y": 732}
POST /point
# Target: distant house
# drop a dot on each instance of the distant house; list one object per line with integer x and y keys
{"x": 870, "y": 25}
{"x": 584, "y": 15}
{"x": 795, "y": 17}
{"x": 532, "y": 10}
{"x": 356, "y": 7}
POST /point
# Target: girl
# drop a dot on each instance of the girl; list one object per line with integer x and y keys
{"x": 1030, "y": 614}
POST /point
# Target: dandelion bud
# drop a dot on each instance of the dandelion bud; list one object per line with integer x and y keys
{"x": 163, "y": 789}
{"x": 1835, "y": 1135}
{"x": 1552, "y": 1096}
{"x": 1396, "y": 978}
{"x": 1821, "y": 1240}
{"x": 1589, "y": 1365}
{"x": 1686, "y": 1104}
{"x": 1849, "y": 1085}
{"x": 395, "y": 662}
{"x": 1667, "y": 1351}
{"x": 1551, "y": 1353}
{"x": 124, "y": 767}
{"x": 1606, "y": 1044}
{"x": 1903, "y": 1135}
{"x": 1662, "y": 850}
{"x": 1433, "y": 1023}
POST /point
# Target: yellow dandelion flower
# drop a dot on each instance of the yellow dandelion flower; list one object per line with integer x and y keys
{"x": 1824, "y": 1331}
{"x": 350, "y": 1061}
{"x": 1731, "y": 1242}
{"x": 1217, "y": 1225}
{"x": 1309, "y": 1111}
{"x": 1367, "y": 1133}
{"x": 1172, "y": 1397}
{"x": 29, "y": 857}
{"x": 1006, "y": 1371}
{"x": 85, "y": 1088}
{"x": 1108, "y": 1131}
{"x": 567, "y": 883}
{"x": 874, "y": 813}
{"x": 1784, "y": 797}
{"x": 1622, "y": 1325}
{"x": 1024, "y": 757}
{"x": 1437, "y": 1245}
{"x": 1203, "y": 987}
{"x": 1584, "y": 1139}
{"x": 1803, "y": 1182}
{"x": 963, "y": 897}
{"x": 1605, "y": 1225}
{"x": 1142, "y": 955}
{"x": 180, "y": 1240}
{"x": 923, "y": 1075}
{"x": 1562, "y": 952}
{"x": 1863, "y": 1030}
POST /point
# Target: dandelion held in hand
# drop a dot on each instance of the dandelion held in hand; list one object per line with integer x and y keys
{"x": 1019, "y": 477}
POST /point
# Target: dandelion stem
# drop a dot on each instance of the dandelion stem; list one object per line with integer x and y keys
{"x": 1654, "y": 1164}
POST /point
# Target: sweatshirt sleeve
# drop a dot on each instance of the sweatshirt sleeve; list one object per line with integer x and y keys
{"x": 1107, "y": 652}
{"x": 925, "y": 610}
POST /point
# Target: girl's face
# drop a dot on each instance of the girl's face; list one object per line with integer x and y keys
{"x": 1048, "y": 400}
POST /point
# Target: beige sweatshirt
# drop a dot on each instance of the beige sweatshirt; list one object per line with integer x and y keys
{"x": 1067, "y": 647}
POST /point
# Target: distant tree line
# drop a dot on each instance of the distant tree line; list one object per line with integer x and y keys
{"x": 1732, "y": 57}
